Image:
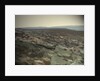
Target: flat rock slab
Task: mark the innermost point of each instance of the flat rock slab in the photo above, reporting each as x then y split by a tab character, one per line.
56	60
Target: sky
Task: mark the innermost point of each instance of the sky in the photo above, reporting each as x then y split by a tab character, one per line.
48	20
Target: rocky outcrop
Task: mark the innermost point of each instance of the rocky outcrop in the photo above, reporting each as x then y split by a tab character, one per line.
49	47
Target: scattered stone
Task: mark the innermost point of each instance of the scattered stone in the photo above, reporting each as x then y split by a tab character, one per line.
49	47
61	37
38	62
46	60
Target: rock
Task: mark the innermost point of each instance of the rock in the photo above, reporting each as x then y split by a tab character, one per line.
29	53
46	60
56	60
64	54
61	37
60	47
77	60
37	40
82	51
38	62
44	47
28	58
59	55
50	55
70	60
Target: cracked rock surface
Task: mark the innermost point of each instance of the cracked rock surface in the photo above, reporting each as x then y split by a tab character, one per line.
49	47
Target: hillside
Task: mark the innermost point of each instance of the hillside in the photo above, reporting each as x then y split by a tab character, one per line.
54	46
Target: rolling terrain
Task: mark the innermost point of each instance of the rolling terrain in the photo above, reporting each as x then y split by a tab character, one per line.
49	46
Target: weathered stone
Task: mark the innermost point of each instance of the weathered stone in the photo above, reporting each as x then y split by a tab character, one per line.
38	62
54	47
46	60
61	37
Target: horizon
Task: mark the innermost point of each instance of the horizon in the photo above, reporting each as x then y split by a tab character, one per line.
77	28
52	26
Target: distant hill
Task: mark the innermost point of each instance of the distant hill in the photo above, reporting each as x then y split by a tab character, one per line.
76	28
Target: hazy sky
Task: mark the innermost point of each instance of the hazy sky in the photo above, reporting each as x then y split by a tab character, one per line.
48	20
